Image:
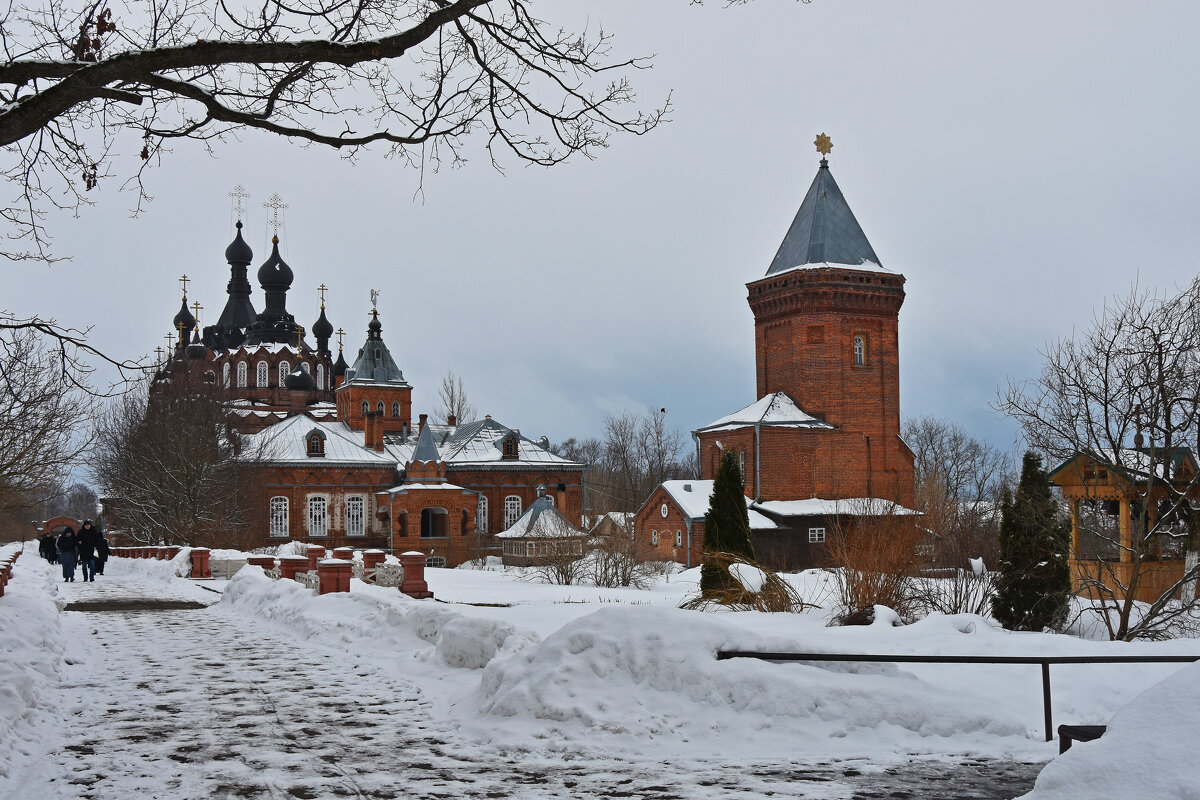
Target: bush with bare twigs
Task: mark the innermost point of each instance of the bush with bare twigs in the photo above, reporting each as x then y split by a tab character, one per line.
755	588
875	561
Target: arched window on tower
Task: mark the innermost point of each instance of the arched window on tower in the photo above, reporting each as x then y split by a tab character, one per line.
241	374
284	369
263	371
379	408
860	351
304	365
366	408
225	374
321	376
395	409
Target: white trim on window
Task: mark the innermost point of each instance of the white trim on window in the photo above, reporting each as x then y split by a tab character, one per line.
356	515
512	510
816	535
262	376
481	516
318	515
279	517
243	370
654	538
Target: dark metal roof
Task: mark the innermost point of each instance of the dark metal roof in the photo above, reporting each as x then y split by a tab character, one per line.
375	363
425	450
824	230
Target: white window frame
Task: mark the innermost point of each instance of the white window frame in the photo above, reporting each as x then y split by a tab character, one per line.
366	407
225	369
278	514
243	373
262	375
860	351
481	516
321	376
318	515
437	562
513	508
396	409
379	408
654	538
284	370
356	519
816	535
679	538
304	365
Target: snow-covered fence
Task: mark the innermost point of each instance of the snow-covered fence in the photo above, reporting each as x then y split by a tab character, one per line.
333	574
6	568
309	580
380	574
160	553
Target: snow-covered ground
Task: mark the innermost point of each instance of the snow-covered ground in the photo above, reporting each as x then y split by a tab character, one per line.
508	688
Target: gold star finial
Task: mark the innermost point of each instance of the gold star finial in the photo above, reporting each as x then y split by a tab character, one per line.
824	144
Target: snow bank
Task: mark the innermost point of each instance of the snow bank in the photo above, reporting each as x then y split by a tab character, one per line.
646	673
32	641
1144	753
381	618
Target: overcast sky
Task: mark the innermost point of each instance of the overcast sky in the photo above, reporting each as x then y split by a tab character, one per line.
1017	162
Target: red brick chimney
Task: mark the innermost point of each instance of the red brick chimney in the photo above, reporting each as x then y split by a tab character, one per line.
451	420
423	417
377	432
369	429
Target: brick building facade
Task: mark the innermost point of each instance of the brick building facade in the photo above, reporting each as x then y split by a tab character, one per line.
826	425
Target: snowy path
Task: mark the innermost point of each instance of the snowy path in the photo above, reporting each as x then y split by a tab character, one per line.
214	703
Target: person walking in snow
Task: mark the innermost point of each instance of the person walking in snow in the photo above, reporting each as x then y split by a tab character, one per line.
102	551
46	547
85	544
67	552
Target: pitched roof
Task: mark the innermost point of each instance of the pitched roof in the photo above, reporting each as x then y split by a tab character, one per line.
773	410
478	444
1137	463
694	497
849	507
824	230
425	450
541	521
286	442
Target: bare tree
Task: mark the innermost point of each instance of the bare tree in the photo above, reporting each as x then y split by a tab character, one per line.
452	395
80	85
619	559
175	470
41	407
1123	395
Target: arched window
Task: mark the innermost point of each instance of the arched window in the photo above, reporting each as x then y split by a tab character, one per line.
481	516
356	515
508	447
395	409
320	376
315	445
261	377
284	369
225	374
305	366
860	351
241	374
654	538
366	407
434	523
379	408
279	516
512	510
318	515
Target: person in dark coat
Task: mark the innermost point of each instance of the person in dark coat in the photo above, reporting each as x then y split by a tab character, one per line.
67	552
85	544
102	551
46	547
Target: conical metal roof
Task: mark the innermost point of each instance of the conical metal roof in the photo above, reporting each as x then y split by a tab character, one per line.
425	450
824	230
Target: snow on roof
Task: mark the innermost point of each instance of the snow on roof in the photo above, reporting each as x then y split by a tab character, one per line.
852	506
1137	462
866	266
478	443
406	487
693	498
286	442
774	410
541	521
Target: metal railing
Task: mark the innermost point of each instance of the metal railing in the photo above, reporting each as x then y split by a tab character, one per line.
1044	661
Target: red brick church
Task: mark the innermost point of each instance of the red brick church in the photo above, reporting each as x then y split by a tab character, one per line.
345	465
822	441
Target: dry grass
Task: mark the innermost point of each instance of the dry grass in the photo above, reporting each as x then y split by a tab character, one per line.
775	595
875	560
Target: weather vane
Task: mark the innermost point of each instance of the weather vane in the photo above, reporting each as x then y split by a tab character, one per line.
239	194
824	144
374	298
276	204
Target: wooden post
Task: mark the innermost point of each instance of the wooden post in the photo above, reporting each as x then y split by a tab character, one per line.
1126	527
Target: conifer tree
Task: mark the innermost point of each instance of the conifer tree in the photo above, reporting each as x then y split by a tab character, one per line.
726	526
1034	586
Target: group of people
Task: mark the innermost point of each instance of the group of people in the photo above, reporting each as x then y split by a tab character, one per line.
88	549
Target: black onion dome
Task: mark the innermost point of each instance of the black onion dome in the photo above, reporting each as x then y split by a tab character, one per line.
322	328
275	273
184	318
340	366
238	251
299	380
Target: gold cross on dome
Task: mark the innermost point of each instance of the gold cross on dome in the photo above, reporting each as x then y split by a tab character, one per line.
340	334
299	338
170	337
184	279
276	204
824	144
239	194
322	290
196	307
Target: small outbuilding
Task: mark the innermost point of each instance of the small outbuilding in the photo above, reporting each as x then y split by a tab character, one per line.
541	535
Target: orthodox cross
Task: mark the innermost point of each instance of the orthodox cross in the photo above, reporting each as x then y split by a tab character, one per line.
340	334
322	291
196	307
276	204
238	194
159	350
299	338
170	337
374	298
824	144
183	279
179	327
